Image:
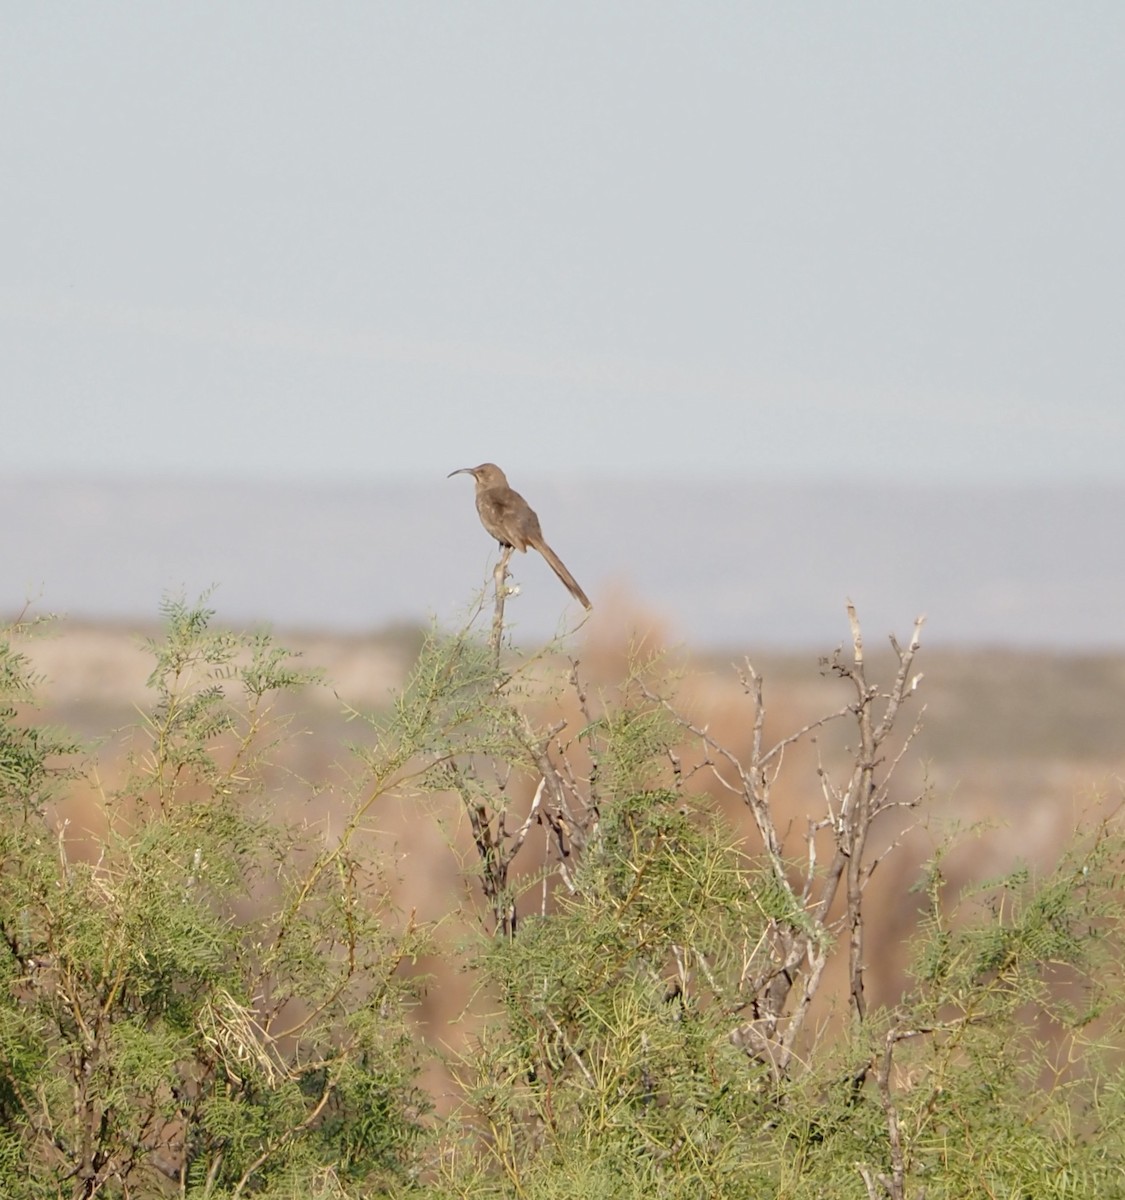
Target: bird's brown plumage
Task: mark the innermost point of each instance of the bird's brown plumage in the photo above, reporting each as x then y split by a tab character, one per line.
512	521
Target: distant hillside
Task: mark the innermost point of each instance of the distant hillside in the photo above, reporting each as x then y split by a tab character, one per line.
723	565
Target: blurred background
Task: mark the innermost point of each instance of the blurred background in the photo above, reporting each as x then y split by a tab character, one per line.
760	306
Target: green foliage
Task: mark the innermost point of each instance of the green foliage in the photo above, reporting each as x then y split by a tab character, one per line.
207	998
625	1055
34	760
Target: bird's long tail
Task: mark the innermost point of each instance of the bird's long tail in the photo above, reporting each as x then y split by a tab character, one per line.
556	565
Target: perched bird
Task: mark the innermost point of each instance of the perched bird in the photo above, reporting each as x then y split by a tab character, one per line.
512	521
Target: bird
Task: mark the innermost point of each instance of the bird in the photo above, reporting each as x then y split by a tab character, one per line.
512	521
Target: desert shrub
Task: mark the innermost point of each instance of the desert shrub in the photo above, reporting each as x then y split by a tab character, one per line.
207	998
652	1029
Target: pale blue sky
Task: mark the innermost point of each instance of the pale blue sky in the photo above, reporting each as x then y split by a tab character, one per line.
365	241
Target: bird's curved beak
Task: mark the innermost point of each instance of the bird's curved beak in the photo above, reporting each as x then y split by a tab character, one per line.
460	471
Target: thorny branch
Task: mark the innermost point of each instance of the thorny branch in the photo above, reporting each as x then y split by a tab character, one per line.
792	960
822	894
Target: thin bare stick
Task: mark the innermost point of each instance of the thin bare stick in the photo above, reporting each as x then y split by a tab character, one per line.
501	577
521	834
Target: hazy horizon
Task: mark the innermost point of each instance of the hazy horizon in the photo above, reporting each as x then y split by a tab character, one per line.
716	564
